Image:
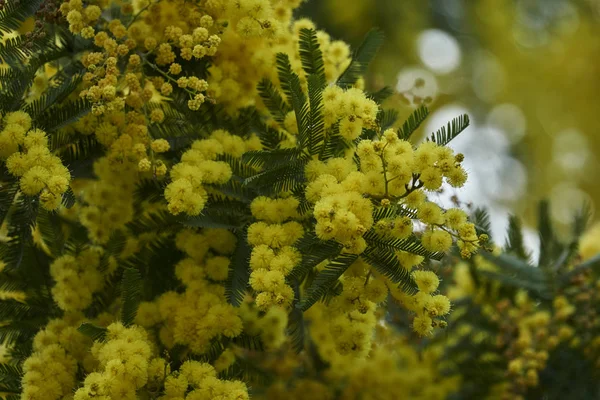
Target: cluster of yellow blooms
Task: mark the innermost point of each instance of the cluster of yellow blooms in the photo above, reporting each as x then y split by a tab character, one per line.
341	211
27	156
270	327
201	313
122	364
107	202
390	169
50	372
77	278
426	306
273	255
351	108
344	328
394	369
198	166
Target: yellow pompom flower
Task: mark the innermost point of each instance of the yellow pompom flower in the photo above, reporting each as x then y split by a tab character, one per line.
427	281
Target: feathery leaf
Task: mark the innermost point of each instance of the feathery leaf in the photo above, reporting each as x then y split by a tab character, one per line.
446	133
131	290
361	58
413	122
272	99
326	279
96	333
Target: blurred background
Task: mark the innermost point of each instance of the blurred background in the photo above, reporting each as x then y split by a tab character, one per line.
527	72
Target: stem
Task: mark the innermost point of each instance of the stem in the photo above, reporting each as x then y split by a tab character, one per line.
163	73
135	17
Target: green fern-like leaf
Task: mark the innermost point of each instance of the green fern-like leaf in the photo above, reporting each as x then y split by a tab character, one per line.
249	342
290	84
50	227
56	118
387	118
13	13
361	58
481	219
392	212
271	158
515	242
446	133
314	251
94	332
152	222
270	137
13	51
314	135
68	198
131	290
386	263
311	55
7	196
239	271
516	273
22	220
272	99
382	94
296	330
61	87
283	178
326	279
413	122
410	245
220	213
10	377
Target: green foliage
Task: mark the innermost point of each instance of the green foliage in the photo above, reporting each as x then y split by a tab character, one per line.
446	133
552	270
312	57
361	58
387	264
13	13
290	84
314	251
272	100
239	270
413	122
410	244
515	242
325	279
131	290
10	378
296	329
92	331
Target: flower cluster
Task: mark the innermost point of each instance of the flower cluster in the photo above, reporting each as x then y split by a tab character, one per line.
341	211
202	379
198	166
27	156
123	364
270	326
427	306
344	329
77	278
273	255
201	313
351	108
50	371
107	202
